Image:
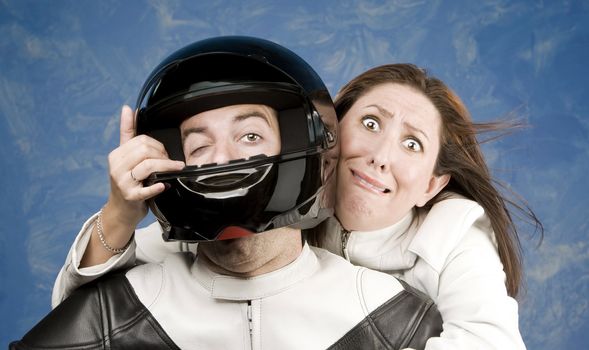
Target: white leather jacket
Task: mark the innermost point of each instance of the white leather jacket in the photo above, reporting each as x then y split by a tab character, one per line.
450	254
318	301
309	304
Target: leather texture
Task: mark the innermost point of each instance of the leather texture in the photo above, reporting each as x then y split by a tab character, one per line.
407	320
104	314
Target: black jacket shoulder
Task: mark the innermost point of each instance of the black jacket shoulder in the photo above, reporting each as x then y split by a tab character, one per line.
104	314
407	320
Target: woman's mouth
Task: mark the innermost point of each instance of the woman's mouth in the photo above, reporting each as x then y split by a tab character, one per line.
370	183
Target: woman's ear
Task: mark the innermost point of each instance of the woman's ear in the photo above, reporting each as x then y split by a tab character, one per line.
436	184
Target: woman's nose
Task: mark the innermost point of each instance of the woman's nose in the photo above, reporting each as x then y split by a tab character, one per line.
382	155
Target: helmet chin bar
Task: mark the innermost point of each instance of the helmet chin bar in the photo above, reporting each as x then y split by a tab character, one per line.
229	184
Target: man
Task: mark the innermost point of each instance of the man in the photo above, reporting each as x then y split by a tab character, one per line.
256	129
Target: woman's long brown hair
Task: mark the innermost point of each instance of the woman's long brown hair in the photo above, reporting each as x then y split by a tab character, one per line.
460	156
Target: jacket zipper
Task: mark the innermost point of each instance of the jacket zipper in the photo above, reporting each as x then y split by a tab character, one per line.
345	236
250	323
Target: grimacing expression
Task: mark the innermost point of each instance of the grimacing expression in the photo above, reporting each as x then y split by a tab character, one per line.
227	133
390	140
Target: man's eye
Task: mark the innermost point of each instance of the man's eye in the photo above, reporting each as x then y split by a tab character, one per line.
412	145
251	137
371	123
196	150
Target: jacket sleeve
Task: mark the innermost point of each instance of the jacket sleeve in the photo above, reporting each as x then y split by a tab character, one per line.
426	322
472	297
104	314
147	246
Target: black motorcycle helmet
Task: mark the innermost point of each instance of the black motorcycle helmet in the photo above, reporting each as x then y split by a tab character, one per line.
244	196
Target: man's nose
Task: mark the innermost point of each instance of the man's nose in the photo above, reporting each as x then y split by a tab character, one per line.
224	152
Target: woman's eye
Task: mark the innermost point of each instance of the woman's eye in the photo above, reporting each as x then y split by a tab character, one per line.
412	145
371	124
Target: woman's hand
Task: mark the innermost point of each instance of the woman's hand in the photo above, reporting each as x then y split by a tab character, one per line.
129	164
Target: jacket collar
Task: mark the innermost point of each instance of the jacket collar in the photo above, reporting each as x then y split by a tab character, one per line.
429	236
443	227
237	288
383	250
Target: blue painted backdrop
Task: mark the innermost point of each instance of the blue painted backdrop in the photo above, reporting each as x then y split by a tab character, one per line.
66	67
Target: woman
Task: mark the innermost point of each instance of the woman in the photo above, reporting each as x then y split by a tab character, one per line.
415	199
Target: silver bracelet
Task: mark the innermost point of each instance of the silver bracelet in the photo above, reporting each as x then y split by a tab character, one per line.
103	241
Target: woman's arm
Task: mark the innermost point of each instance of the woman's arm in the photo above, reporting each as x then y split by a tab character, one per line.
72	275
105	241
472	298
147	246
128	165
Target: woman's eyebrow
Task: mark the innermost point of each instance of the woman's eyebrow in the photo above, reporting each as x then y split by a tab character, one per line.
390	115
416	130
382	111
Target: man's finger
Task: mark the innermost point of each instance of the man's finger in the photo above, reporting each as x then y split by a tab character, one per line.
127	124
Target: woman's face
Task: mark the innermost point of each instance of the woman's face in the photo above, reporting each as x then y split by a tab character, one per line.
390	139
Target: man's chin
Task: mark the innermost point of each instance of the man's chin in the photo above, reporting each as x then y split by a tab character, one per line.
234	249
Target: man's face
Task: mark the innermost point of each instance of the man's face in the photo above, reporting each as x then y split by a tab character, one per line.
238	132
233	132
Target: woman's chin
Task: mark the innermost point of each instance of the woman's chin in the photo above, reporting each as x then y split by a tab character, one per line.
353	214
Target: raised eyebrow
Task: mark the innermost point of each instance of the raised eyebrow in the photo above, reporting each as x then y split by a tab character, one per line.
416	130
382	111
389	115
239	117
252	114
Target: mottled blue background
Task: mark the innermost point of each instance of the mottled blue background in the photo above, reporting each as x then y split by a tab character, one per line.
66	67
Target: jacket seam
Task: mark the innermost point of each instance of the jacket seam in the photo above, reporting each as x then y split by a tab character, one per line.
143	314
103	317
425	306
368	315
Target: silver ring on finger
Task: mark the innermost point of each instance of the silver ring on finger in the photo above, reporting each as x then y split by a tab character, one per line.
133	176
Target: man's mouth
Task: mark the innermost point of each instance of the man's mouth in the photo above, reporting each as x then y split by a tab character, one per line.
370	183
